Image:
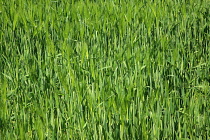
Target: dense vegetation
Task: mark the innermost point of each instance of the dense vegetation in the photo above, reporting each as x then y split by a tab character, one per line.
132	69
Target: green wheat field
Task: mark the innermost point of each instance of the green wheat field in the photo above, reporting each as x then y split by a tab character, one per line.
105	69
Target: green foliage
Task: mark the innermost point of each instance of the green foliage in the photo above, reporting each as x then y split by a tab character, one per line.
104	69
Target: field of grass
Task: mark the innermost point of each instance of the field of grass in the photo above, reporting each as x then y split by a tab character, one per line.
114	69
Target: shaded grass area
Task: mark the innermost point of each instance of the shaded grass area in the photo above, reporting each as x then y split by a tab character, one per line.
104	70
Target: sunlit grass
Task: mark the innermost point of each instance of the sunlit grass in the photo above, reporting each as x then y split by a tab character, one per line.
104	70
